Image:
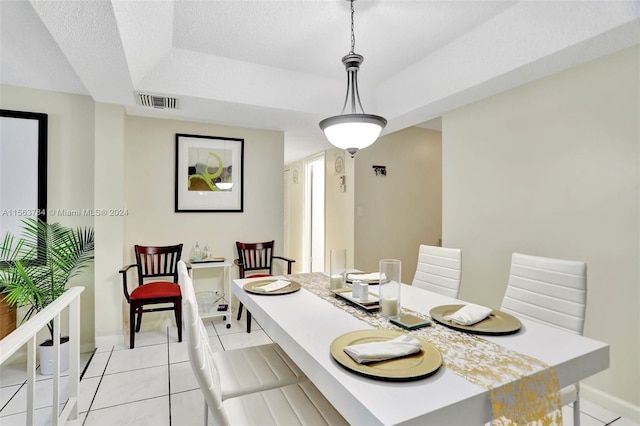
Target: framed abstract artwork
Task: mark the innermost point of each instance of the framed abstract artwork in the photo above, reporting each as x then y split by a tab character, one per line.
209	174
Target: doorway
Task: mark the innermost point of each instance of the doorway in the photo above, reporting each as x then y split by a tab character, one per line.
313	237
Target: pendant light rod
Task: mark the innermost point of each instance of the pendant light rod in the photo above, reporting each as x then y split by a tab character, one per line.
353	33
352	63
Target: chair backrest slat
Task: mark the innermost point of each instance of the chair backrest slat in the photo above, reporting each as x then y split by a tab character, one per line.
439	270
157	261
256	256
550	291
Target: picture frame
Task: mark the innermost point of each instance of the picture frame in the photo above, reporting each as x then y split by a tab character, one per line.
209	175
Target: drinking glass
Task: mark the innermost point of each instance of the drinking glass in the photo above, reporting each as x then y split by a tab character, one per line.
389	288
338	268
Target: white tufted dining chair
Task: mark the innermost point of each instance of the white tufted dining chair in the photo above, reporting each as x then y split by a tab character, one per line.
439	270
249	401
553	292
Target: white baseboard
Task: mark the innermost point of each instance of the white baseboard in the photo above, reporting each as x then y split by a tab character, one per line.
612	403
87	347
105	341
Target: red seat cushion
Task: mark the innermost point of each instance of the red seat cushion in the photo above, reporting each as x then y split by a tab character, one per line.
156	290
258	275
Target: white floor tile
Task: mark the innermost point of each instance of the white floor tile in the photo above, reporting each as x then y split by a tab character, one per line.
6	393
134	359
178	352
242	340
236	326
84	359
97	365
137	385
77	422
149	412
211	330
146	338
44	396
624	422
88	388
13	374
589	408
585	420
173	334
182	378
215	343
43	417
187	408
108	348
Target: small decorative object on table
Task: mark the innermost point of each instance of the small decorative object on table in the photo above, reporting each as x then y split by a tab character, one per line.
389	291
338	268
196	253
355	289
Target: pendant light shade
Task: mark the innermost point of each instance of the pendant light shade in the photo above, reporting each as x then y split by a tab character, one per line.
352	132
356	130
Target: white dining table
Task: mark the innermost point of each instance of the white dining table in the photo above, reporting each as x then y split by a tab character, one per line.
305	325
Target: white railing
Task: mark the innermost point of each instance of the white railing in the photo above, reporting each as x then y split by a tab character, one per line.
27	332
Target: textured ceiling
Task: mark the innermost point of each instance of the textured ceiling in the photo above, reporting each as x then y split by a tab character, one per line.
276	64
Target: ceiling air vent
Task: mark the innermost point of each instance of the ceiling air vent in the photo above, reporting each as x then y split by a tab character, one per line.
156	101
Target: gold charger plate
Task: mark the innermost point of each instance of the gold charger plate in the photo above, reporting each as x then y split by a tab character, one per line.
496	323
372	304
411	367
254	288
373	282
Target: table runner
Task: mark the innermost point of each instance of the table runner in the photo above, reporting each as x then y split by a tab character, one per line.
523	389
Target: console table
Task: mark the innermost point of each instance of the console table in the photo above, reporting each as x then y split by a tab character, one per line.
213	311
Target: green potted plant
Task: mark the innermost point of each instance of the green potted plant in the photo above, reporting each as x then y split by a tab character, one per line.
36	267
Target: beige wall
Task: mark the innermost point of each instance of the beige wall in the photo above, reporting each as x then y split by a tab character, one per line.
70	177
109	194
339	217
100	158
552	169
149	194
396	213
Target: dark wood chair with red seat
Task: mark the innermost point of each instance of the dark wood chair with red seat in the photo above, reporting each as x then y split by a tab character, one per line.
256	257
153	263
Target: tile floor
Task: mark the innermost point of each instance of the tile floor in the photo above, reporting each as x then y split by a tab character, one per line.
153	384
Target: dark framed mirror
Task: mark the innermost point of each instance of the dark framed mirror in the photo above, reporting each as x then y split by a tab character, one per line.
23	168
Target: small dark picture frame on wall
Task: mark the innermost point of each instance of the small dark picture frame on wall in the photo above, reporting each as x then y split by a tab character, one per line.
209	174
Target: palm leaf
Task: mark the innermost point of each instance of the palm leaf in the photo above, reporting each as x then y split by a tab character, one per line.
35	268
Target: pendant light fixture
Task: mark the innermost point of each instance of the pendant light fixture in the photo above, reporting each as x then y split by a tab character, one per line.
356	130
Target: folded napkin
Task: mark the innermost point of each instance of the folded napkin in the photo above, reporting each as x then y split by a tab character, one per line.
374	276
469	314
380	351
276	285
